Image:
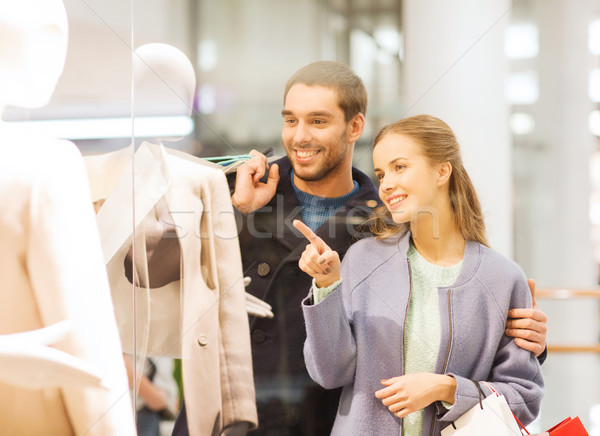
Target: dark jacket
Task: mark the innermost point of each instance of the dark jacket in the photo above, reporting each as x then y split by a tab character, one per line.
271	248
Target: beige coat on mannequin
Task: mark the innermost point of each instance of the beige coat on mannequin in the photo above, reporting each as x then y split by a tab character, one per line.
202	317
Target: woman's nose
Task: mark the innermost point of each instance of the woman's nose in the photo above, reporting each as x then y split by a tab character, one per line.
385	184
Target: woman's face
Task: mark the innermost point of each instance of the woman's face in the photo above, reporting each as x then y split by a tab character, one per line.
408	183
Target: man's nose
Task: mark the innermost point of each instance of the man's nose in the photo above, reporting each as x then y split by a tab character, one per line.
302	134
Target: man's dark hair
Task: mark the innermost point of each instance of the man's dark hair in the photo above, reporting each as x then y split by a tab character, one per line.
349	88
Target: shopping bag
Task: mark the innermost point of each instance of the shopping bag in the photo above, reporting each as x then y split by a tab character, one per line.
491	417
569	427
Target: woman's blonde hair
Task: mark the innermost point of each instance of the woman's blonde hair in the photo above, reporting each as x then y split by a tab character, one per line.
438	144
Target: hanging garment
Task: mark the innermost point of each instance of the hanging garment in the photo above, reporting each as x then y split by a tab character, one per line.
198	311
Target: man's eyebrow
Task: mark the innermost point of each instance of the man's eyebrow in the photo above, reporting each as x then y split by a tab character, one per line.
320	114
326	114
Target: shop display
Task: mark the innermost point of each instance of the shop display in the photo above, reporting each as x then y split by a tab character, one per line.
52	269
180	270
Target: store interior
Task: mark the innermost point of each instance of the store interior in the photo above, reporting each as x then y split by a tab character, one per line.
518	81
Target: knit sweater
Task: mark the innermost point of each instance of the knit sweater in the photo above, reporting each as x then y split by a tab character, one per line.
422	336
316	210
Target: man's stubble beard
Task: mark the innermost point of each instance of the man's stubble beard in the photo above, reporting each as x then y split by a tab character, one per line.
328	166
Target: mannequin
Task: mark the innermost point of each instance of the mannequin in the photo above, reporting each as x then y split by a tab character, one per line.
51	267
188	278
28	360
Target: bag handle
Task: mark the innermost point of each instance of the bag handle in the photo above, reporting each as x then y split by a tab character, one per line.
481	393
481	398
494	391
491	388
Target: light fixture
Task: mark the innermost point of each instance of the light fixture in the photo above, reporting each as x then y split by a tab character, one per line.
521	41
104	128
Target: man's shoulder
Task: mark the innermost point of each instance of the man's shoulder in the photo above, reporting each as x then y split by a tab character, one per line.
285	166
367	191
284	186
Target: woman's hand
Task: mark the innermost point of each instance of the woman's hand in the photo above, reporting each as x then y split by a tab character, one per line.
318	260
412	392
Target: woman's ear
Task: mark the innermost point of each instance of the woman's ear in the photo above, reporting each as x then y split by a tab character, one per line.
444	172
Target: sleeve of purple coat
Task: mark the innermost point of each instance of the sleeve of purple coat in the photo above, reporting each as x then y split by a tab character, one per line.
330	347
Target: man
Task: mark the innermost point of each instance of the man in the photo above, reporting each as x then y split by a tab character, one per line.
325	104
324	115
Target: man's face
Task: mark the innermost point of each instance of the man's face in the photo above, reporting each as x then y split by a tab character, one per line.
315	133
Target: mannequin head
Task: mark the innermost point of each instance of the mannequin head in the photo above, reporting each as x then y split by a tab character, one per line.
33	47
164	81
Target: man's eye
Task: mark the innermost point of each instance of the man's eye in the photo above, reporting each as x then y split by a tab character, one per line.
379	177
318	122
290	121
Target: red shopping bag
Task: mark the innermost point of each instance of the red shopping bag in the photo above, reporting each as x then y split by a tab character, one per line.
569	427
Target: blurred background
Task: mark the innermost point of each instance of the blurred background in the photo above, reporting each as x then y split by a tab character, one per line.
518	81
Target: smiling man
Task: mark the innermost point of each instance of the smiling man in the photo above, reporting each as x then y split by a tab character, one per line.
323	116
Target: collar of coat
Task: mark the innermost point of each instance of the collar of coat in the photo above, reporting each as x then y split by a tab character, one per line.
399	245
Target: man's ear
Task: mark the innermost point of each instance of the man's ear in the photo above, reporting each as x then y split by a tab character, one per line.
356	126
444	172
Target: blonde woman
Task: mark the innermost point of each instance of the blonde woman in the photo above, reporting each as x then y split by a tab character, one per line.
415	313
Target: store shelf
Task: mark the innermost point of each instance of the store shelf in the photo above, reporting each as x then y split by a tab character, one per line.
556	348
567	293
570	294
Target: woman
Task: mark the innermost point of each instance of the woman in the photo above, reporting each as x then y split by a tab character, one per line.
422	306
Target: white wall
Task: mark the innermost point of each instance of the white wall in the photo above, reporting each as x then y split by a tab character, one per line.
454	68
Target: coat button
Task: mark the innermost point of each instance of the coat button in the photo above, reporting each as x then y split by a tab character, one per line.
202	340
263	269
372	204
259	336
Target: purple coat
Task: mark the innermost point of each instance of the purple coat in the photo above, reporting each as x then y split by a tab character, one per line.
355	336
